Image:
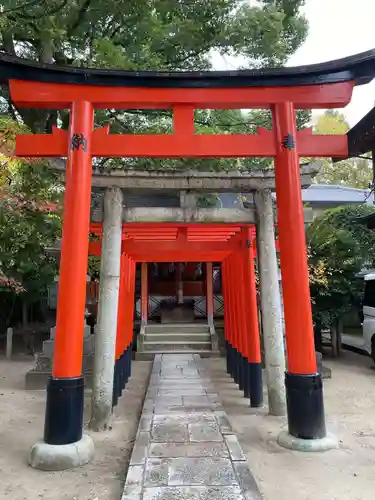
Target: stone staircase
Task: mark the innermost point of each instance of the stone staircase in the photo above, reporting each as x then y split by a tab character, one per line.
176	338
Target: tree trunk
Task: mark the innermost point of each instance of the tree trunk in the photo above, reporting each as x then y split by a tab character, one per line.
336	330
25	313
318	338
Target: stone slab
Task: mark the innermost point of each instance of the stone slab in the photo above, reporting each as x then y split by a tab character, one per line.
185	447
200	432
190	450
193	493
201	471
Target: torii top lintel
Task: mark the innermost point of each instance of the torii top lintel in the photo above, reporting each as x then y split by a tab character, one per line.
302	85
326	85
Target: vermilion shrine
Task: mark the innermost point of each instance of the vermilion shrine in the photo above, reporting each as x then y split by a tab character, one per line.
190	238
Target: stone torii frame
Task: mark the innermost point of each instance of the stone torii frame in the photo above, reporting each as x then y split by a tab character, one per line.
327	85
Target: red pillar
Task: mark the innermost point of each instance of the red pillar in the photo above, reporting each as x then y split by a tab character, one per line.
144	292
209	293
118	382
129	317
253	354
303	385
120	339
238	286
229	345
234	314
64	412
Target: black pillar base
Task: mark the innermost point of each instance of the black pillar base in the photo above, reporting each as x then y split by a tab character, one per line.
126	366
64	410
129	362
241	372
115	385
305	406
246	377
231	359
227	348
121	374
236	356
256	385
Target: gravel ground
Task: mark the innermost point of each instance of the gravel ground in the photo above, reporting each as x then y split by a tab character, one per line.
344	474
21	425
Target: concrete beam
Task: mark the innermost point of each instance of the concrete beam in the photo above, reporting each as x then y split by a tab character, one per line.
193	180
190	215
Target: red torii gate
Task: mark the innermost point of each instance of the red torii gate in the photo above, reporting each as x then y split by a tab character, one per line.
283	91
196	243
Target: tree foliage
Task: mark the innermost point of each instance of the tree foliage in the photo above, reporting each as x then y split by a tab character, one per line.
28	194
354	172
151	35
339	248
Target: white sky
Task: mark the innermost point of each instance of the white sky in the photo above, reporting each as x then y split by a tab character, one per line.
338	28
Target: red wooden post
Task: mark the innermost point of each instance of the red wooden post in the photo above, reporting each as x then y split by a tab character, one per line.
130	316
252	324
242	332
227	315
118	382
144	292
233	282
209	293
64	410
303	383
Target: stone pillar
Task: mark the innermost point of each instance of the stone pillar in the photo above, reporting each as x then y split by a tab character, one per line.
105	342
270	303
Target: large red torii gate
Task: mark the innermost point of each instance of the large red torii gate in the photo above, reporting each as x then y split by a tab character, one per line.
327	85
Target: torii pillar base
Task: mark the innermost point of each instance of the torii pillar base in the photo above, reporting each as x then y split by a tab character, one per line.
53	457
286	440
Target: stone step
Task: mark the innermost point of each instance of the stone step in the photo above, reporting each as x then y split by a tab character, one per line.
176	328
173	346
149	355
176	336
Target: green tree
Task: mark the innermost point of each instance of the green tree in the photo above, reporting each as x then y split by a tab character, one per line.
340	247
149	34
29	224
354	172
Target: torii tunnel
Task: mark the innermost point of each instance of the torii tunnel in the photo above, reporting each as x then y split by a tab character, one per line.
283	91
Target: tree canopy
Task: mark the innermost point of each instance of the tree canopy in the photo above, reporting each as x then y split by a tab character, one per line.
29	195
354	172
339	248
150	34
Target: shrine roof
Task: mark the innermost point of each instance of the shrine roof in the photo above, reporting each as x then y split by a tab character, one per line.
361	137
359	68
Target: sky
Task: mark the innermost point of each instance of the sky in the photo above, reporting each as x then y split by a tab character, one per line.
337	28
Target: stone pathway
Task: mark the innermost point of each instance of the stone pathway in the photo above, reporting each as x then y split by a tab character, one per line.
185	447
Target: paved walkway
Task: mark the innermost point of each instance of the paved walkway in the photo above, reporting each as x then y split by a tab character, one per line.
185	448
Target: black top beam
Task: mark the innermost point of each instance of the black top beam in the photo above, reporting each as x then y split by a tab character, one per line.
359	68
361	137
367	220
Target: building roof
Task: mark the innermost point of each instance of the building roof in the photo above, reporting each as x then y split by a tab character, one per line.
326	194
361	137
316	194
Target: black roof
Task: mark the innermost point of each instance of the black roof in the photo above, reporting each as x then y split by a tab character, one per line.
359	68
361	137
367	220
